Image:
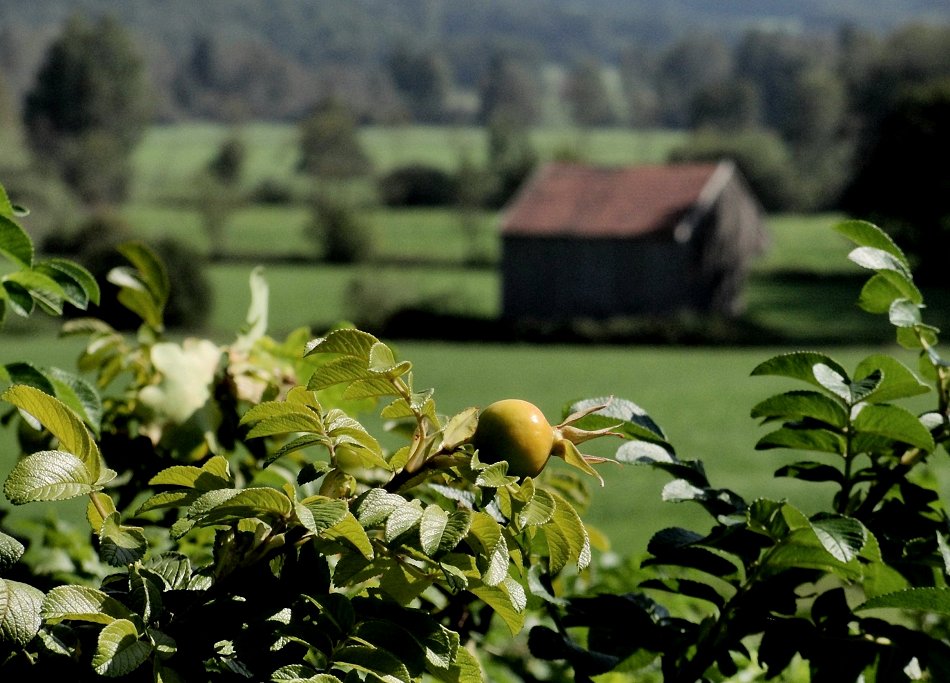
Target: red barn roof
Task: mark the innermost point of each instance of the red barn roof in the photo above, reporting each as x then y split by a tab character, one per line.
578	200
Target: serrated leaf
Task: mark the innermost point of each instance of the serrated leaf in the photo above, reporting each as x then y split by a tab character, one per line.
11	550
145	591
81	603
624	416
933	600
885	287
904	313
538	510
301	673
867	234
571	540
820	440
402	519
350	530
17	298
799	365
895	423
20	606
46	476
376	505
120	545
346	342
796	405
15	244
897	380
318	513
214	474
369	388
62	423
337	371
382	361
843	537
173	568
119	649
222	506
494	549
44	289
431	527
876	259
381	664
150	268
459	429
500	600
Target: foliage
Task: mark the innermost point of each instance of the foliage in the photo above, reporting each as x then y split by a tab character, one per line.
418	185
341	233
88	109
910	137
329	146
243	523
845	589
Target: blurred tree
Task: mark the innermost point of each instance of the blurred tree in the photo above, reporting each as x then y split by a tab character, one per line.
511	157
329	145
509	92
227	164
88	108
338	230
423	79
763	158
690	65
730	106
903	182
587	96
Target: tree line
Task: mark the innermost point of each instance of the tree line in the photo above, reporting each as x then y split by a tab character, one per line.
809	117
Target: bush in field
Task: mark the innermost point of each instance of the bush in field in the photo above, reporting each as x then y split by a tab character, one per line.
337	229
244	524
418	185
88	109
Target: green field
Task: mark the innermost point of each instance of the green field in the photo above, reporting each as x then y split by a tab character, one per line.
701	398
803	287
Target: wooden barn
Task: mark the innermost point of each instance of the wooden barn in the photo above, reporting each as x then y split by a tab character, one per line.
581	241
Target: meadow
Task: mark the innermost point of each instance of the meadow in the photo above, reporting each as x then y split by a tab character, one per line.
803	287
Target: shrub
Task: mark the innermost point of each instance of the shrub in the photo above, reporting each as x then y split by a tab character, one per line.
418	185
244	524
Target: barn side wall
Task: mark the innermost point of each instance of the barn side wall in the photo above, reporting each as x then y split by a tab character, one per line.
563	278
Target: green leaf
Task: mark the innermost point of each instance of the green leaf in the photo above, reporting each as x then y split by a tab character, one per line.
626	417
431	527
897	380
878	260
820	440
62	422
379	663
81	603
346	342
349	529
843	537
121	545
382	361
145	591
214	474
78	285
150	269
301	673
904	313
797	405
222	506
318	513
119	650
465	669
884	288
42	288
46	476
567	537
801	365
11	550
895	423
933	600
78	394
15	244
459	429
539	509
376	505
402	519
511	610
867	234
19	612
486	532
337	371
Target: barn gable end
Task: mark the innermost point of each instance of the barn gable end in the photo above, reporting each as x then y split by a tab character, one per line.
598	242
